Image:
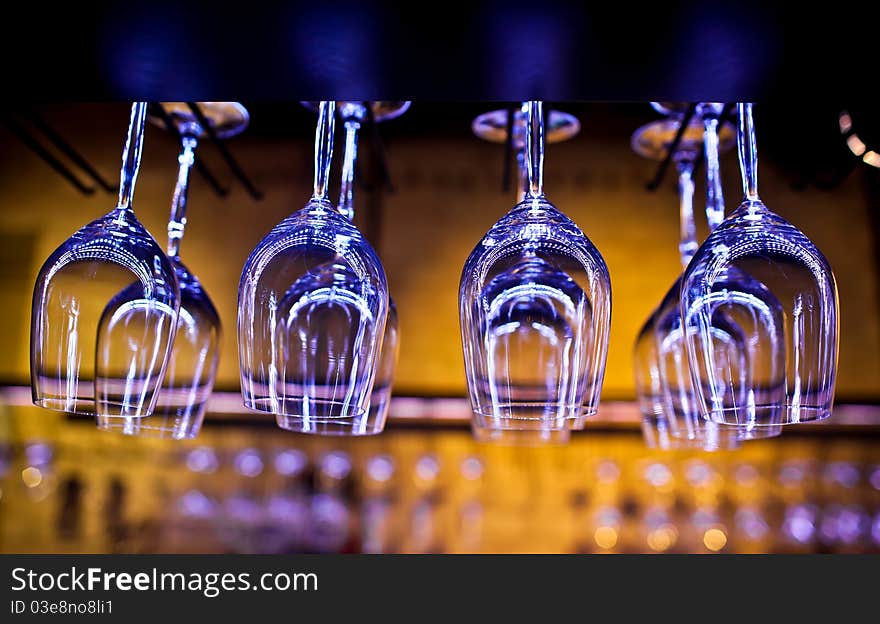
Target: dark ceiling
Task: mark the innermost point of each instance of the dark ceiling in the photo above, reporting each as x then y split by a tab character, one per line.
440	51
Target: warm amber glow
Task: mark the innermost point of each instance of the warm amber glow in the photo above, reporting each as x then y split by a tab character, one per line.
32	477
606	537
872	158
184	488
856	145
714	539
663	538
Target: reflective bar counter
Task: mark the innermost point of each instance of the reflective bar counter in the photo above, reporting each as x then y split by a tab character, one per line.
427	486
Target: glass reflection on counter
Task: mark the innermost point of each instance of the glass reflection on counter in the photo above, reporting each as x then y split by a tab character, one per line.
67	488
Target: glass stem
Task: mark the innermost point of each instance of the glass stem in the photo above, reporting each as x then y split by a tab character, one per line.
177	222
687	245
346	185
748	152
714	192
131	156
535	148
324	148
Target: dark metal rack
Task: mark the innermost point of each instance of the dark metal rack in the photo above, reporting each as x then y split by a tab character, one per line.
236	169
33	143
654	183
657	180
68	150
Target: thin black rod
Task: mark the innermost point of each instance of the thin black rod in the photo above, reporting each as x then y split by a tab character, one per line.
654	184
68	150
378	149
214	183
34	145
723	118
508	148
237	171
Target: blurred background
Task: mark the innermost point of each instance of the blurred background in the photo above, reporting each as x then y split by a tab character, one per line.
425	485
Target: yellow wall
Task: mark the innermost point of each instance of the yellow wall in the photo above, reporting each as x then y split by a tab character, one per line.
447	197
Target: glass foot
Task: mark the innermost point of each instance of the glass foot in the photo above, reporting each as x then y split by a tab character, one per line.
653	140
226	118
492	126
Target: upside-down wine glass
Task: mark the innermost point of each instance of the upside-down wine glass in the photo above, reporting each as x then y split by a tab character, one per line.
313	303
372	422
654	141
535	306
192	368
785	383
733	339
493	126
117	371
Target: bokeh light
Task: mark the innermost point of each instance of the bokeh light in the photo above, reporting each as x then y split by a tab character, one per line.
715	539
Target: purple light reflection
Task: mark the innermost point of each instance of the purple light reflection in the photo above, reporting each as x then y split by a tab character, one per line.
38	454
380	468
607	471
843	524
202	460
196	504
287	510
792	474
428	468
290	462
800	523
844	474
699	474
472	468
746	475
248	463
751	523
329	523
243	508
336	465
874	479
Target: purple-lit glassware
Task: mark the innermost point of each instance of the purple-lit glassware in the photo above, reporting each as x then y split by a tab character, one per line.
192	367
653	141
494	126
353	115
785	383
313	303
735	338
535	308
114	368
663	383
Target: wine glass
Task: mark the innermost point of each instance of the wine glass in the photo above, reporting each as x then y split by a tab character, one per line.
734	341
535	307
313	303
654	353
792	367
94	352
373	420
493	126
189	378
